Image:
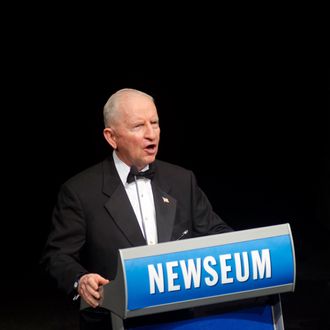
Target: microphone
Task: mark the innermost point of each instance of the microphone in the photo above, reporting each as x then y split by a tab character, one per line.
183	234
134	171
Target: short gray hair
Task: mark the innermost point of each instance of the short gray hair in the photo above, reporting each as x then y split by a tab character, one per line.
110	110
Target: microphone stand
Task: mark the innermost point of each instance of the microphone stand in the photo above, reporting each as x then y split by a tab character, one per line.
140	207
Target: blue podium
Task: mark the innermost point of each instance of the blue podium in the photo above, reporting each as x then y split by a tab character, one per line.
231	281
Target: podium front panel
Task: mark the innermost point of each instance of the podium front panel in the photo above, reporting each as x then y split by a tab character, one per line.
266	316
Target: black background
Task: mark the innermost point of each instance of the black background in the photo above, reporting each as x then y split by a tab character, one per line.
245	106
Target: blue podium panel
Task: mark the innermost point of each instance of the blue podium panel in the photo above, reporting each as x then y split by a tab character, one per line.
262	313
208	272
254	318
205	270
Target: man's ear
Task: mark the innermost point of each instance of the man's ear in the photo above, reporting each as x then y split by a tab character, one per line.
110	136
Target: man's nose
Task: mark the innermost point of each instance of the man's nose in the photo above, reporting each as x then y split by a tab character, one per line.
150	131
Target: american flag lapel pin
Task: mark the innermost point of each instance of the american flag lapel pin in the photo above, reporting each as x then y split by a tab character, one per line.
165	200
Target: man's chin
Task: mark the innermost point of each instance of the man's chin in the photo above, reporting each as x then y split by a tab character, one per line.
150	159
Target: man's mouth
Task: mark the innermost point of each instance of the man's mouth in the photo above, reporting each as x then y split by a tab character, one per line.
151	147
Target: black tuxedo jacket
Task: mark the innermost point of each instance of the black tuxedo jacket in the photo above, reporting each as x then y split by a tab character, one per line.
93	218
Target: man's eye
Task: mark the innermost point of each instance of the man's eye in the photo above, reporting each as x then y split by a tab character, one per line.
137	126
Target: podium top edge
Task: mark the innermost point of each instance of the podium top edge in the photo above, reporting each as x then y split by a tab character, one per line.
206	241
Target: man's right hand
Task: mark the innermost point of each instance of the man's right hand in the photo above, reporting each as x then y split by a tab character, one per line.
90	288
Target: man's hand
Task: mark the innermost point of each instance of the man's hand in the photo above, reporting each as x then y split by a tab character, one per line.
91	288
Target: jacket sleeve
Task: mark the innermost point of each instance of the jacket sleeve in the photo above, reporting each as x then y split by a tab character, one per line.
62	252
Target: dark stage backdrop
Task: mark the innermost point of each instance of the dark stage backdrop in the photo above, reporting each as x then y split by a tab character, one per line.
253	128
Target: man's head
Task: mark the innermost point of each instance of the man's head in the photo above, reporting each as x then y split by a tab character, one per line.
132	126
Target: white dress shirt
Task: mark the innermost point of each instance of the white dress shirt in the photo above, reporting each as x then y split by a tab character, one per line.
141	197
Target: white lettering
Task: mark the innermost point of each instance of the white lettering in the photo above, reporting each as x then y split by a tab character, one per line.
171	276
213	280
238	263
156	277
262	265
225	269
193	271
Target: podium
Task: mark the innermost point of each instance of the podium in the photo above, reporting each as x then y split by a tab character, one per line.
239	276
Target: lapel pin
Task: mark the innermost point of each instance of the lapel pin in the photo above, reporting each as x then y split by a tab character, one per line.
165	200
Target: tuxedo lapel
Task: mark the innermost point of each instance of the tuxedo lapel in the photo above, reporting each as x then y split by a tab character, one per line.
165	206
119	206
120	209
123	214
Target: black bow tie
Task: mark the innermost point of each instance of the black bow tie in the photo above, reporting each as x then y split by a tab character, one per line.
134	173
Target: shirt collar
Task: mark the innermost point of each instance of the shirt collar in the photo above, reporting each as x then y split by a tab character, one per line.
122	168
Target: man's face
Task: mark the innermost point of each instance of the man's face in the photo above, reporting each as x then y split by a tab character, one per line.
137	131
